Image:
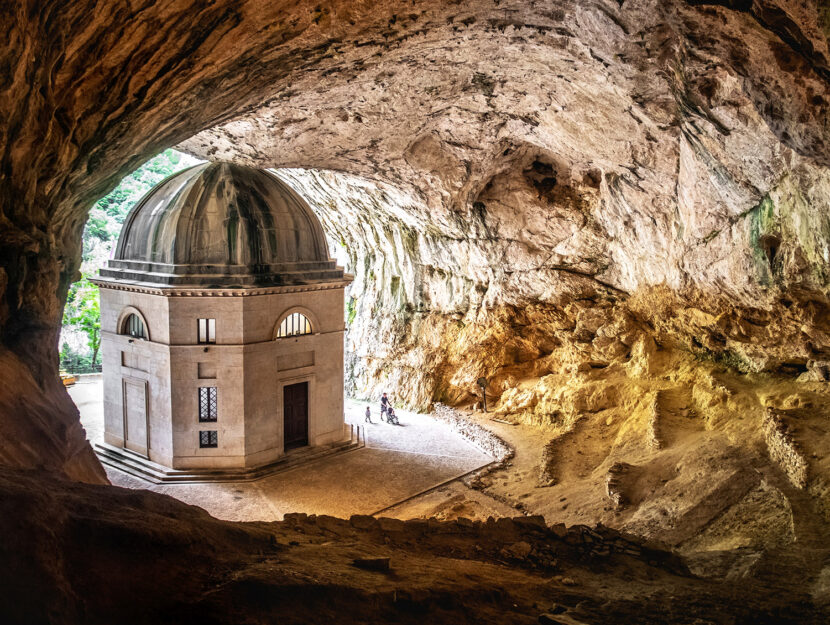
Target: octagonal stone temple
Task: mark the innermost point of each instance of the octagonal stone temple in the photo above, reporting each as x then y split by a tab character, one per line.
222	329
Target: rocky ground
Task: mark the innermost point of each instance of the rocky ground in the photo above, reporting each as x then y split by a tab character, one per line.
729	470
98	554
726	469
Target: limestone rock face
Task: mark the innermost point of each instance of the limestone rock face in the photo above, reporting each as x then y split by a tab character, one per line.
535	167
521	156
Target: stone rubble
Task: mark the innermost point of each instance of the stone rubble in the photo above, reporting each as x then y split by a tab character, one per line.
525	540
782	447
481	437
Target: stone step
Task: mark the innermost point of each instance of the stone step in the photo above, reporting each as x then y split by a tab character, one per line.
138	466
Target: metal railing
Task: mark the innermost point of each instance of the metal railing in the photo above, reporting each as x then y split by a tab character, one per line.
75	367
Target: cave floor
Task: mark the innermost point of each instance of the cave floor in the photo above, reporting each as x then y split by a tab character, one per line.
398	462
509	486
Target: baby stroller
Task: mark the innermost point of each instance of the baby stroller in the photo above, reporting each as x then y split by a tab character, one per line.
391	417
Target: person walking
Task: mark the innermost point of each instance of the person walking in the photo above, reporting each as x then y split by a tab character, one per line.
368	418
384	406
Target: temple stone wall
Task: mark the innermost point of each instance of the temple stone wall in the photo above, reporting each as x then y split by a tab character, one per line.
137	361
271	364
247	366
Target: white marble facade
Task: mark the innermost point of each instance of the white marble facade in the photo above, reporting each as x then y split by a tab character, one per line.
238	395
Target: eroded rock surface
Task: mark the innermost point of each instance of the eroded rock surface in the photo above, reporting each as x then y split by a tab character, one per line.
528	157
613	212
97	554
551	152
616	211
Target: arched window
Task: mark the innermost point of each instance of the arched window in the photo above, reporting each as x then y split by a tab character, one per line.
295	324
133	326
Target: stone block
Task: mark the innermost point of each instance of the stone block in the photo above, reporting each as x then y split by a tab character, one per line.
391	525
372	564
559	530
332	524
363	521
415	526
519	550
535	521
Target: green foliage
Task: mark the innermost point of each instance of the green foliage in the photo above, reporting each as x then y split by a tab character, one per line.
351	310
96	227
74	361
82	316
119	202
83	312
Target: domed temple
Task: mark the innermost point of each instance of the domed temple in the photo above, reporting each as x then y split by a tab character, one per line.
222	327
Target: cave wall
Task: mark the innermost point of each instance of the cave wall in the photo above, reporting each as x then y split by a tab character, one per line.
428	314
544	154
671	157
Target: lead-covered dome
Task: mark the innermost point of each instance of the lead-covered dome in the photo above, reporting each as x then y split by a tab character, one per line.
222	225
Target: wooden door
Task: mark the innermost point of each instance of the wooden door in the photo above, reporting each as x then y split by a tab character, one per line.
136	430
295	415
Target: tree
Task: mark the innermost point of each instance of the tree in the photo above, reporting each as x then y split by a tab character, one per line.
84	313
118	203
81	317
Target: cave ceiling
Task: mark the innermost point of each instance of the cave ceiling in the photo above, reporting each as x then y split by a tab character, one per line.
523	154
629	142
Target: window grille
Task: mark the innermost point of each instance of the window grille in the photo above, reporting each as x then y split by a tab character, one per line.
207	403
295	324
208	438
207	330
134	327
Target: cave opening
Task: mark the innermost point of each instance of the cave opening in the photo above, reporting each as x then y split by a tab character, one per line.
130	430
583	206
